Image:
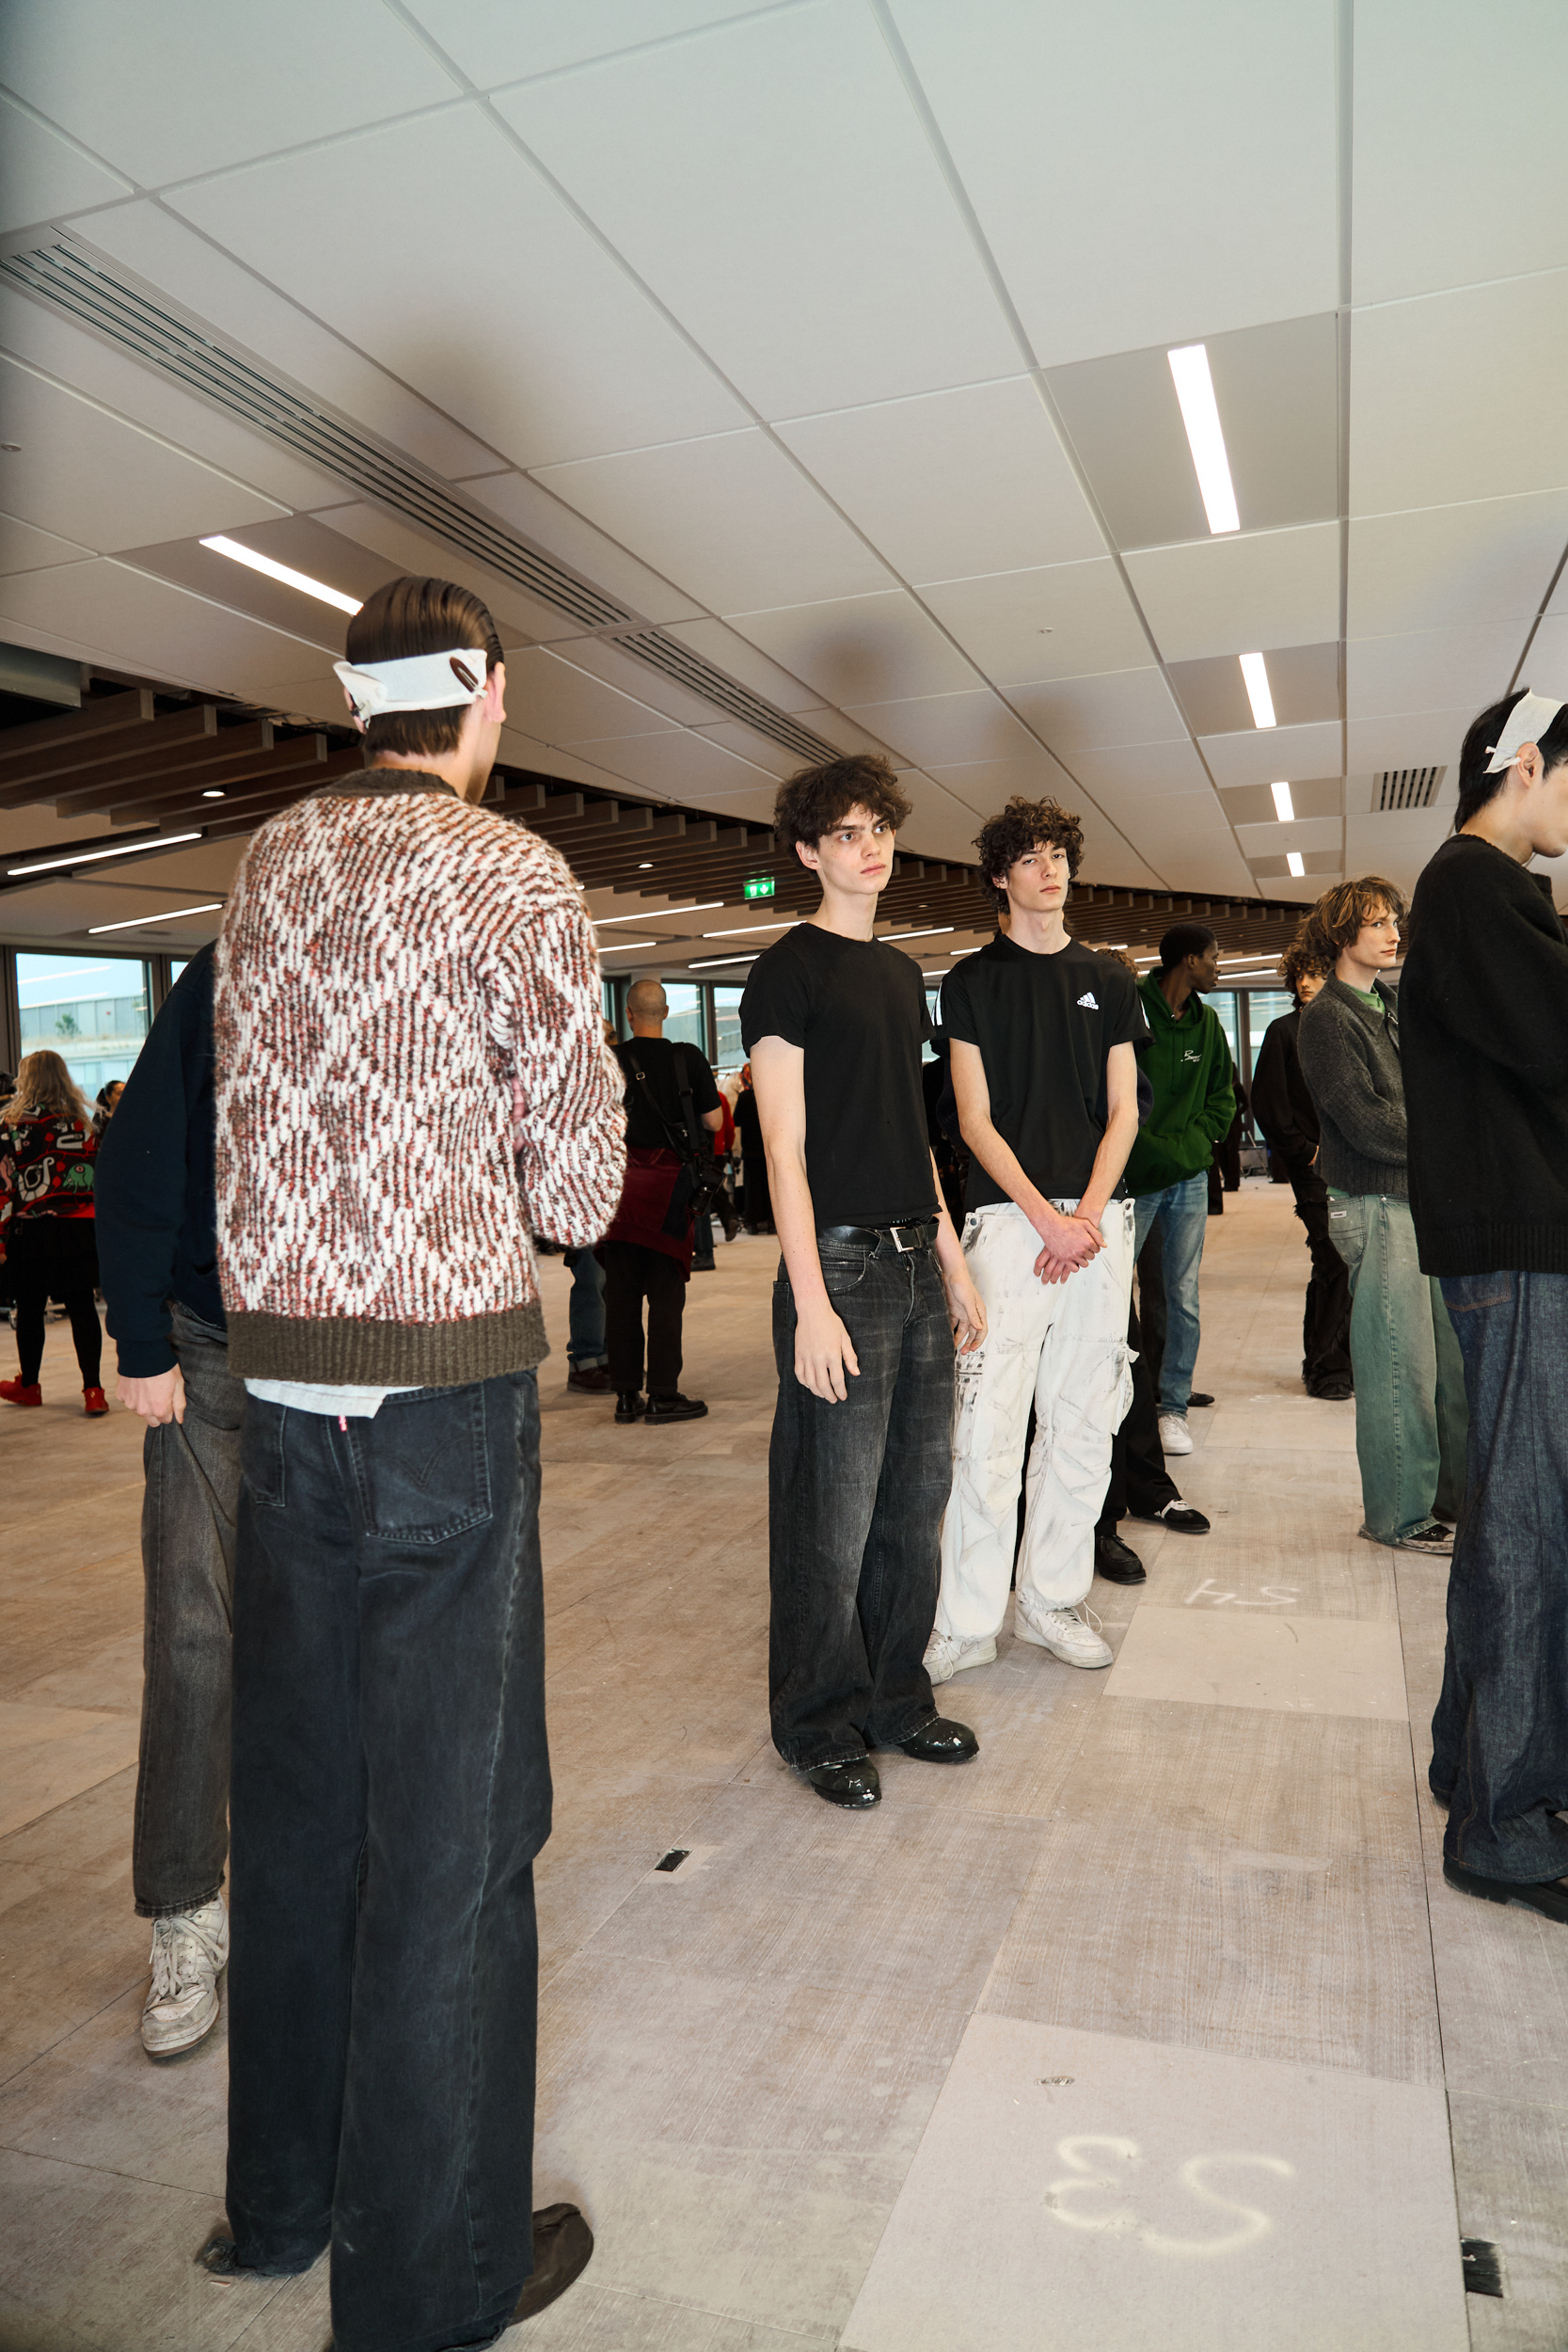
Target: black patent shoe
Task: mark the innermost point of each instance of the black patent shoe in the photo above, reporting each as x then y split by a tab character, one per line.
853	1783
676	1407
1117	1562
1549	1897
628	1405
940	1741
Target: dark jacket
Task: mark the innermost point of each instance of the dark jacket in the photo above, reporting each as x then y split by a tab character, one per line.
1282	1104
1485	1004
1189	1065
1350	1056
156	1191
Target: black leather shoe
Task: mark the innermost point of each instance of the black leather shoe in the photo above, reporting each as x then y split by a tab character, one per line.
628	1405
676	1407
592	1380
219	2257
1332	1391
853	1783
1117	1562
1549	1897
1184	1520
1198	1397
563	2243
940	1741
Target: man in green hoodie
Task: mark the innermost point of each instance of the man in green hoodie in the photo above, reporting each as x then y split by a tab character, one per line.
1188	1064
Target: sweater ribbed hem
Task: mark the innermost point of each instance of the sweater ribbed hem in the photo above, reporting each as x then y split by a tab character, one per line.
350	1352
1494	1247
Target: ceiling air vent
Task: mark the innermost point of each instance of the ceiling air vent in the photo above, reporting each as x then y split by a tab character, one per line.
1408	788
677	661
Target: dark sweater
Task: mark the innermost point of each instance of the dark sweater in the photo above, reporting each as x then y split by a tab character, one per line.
157	1213
1282	1103
1485	1000
1350	1057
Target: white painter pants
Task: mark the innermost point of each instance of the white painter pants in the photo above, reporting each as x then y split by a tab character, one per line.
1062	1347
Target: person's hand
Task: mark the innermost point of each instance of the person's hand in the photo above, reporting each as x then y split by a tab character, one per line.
1069	1241
158	1401
824	1352
966	1310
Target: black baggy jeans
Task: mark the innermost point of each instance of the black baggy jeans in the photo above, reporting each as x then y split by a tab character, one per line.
855	1497
391	1788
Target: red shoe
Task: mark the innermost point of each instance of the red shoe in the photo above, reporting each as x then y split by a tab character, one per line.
16	1392
94	1402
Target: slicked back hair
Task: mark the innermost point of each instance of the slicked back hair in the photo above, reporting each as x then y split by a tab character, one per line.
1183	940
409	616
1021	826
1337	919
1476	788
812	800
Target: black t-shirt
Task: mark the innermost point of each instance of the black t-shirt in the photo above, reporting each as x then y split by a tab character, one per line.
656	1057
1044	1026
857	1008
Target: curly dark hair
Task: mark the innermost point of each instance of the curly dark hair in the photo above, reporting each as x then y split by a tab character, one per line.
1023	826
1335	921
815	800
1300	961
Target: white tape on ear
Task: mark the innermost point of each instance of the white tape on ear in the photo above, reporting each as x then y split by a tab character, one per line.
421	681
1528	721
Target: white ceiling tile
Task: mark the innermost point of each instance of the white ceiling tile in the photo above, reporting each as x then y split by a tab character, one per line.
1430	668
812	284
1274	755
1439	414
948	728
1497	206
494	42
748	744
983	785
23	548
953	483
146	239
518	749
1275	840
1064	620
1237	594
561	533
680	765
141	624
1547	663
1220	209
1159	816
517	612
841	733
738	658
1448	566
602	658
528	334
552	699
1416	739
1394	842
1118	707
939	827
205	86
1199	867
43	176
92	478
729	518
856	649
1142	769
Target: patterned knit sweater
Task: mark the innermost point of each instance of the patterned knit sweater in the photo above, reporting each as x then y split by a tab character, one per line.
407	994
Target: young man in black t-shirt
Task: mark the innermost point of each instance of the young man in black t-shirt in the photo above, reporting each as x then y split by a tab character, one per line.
1042	1036
871	1296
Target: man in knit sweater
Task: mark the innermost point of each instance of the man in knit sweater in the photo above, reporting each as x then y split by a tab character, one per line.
407	997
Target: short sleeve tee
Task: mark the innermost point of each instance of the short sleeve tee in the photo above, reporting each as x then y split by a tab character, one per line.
656	1057
1043	1025
857	1008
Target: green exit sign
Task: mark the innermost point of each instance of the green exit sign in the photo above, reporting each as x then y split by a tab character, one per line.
760	886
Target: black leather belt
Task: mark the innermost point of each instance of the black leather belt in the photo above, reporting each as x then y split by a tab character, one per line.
904	1238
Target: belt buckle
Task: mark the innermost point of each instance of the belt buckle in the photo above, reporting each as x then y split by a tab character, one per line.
900	1247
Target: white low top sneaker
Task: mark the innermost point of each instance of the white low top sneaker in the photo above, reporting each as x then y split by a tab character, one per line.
190	1951
1175	1436
948	1654
1063	1632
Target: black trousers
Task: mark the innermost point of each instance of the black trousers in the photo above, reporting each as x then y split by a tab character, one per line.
632	1274
1325	1326
55	1257
1139	1480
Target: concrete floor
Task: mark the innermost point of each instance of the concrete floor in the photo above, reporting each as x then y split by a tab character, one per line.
1155	2026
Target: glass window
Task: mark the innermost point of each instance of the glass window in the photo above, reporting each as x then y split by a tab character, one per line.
1225	1007
174	971
687	1022
1263	1006
933	1005
726	1015
92	1013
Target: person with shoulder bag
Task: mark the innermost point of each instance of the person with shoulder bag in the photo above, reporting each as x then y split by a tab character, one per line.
48	1145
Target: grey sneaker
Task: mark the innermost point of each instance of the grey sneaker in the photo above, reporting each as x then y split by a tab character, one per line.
190	1951
1433	1537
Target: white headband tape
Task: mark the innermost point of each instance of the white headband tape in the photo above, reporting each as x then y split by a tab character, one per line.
1527	723
422	681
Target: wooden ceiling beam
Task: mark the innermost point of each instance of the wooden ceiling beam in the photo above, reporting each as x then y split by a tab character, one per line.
106	715
22	773
126	783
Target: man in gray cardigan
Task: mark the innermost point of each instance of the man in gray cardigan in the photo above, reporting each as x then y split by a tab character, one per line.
1410	1417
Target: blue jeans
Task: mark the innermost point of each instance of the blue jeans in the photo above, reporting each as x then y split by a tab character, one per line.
1410	1412
855	1497
389	1791
1499	1737
585	1339
1182	1212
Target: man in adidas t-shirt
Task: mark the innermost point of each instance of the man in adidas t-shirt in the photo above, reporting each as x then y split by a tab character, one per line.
1042	1035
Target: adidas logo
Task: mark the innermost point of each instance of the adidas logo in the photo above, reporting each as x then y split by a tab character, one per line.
1088	998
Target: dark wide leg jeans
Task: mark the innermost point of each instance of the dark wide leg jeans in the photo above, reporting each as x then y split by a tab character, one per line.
1500	1733
856	1492
390	1790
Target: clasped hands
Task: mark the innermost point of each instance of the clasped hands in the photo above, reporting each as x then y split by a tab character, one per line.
1069	1241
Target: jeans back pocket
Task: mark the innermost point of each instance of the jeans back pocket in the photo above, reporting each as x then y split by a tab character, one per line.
420	1467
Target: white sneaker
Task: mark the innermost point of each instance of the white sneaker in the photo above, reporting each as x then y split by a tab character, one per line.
1175	1437
948	1654
1062	1631
190	1951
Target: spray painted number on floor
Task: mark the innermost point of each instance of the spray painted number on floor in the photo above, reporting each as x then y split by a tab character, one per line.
1100	2166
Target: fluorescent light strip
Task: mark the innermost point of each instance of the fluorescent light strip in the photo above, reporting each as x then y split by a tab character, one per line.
625	947
140	922
1195	390
745	930
713	963
657	914
91	857
1284	807
1255	676
284	572
1295	865
933	932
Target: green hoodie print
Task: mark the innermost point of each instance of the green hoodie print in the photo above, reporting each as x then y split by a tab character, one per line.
1188	1064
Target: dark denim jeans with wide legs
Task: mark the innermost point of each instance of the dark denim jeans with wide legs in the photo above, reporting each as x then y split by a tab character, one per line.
855	1494
390	1791
181	1838
1499	1737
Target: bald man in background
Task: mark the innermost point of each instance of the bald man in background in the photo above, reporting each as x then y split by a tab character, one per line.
672	1108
